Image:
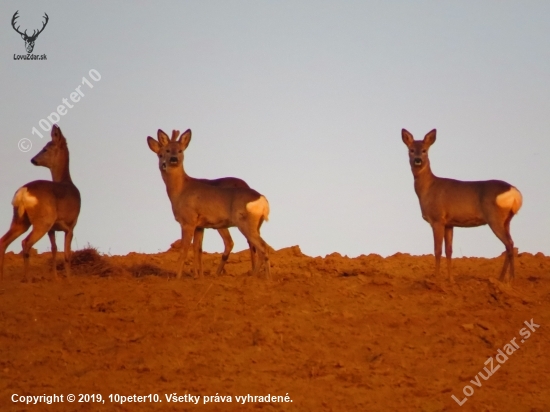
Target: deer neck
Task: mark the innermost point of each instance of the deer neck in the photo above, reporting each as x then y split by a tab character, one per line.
60	170
175	181
423	180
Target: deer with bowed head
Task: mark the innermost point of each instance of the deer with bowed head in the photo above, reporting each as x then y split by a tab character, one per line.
218	204
47	206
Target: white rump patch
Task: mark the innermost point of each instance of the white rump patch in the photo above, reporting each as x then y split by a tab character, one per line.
511	200
259	207
23	200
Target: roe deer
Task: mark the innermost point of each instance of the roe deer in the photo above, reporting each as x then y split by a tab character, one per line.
446	203
48	206
198	204
230	182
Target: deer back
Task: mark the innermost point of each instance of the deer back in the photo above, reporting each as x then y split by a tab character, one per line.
212	206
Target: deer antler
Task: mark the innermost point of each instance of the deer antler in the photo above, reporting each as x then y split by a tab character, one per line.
175	135
15	16
34	35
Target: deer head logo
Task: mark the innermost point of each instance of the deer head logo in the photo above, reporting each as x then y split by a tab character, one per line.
29	40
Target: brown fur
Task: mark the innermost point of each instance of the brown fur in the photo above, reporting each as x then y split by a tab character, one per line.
47	206
446	203
229	182
198	203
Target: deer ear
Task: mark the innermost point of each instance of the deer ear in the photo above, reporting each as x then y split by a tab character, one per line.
184	139
408	138
163	138
56	134
153	144
429	139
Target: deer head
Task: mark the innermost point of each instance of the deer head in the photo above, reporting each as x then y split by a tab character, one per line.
54	152
418	150
170	151
29	40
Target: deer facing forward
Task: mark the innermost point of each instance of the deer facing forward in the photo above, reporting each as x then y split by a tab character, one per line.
446	203
229	182
198	204
48	206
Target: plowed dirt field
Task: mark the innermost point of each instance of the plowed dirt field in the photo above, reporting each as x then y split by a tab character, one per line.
332	333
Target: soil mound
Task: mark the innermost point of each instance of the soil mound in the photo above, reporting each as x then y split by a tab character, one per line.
334	333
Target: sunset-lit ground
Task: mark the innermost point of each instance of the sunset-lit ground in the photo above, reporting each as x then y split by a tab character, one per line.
335	334
306	102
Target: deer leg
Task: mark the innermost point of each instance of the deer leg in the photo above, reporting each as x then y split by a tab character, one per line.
511	249
228	247
37	232
261	249
17	228
265	257
253	251
439	231
197	252
51	235
67	251
260	260
186	237
449	250
502	231
505	267
252	256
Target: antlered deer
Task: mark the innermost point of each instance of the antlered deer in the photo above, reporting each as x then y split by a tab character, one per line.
198	204
230	182
29	40
446	203
48	206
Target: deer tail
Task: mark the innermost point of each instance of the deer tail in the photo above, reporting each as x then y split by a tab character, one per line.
511	200
259	207
22	200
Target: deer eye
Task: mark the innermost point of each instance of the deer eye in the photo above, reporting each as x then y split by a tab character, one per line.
412	150
424	151
181	151
160	156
